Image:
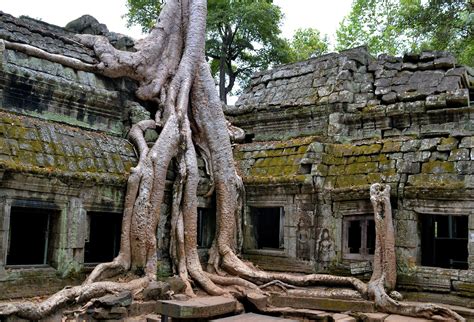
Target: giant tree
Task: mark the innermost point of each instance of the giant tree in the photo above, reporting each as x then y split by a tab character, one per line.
242	36
170	68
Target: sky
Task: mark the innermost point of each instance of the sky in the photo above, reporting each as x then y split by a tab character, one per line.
323	15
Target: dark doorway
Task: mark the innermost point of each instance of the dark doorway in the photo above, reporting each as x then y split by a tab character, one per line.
206	226
268	225
444	241
32	233
103	242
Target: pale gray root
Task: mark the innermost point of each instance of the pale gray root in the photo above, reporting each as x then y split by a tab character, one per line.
385	262
170	80
262	304
236	134
122	262
385	303
332	293
55	58
211	123
284	286
68	296
384	276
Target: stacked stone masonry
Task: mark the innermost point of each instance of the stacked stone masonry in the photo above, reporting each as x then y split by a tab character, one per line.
318	133
321	131
64	162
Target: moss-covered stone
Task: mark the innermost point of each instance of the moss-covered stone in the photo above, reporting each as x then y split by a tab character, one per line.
47	148
351	181
368	149
437	167
359	159
366	167
447	144
332	160
441	181
336	170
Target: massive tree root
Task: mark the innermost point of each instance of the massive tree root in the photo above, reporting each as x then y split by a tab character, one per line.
171	70
384	276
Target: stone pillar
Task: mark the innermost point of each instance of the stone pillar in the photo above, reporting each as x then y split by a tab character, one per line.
2	52
5	206
73	233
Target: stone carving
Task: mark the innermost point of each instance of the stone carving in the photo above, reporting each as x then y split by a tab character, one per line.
325	250
303	235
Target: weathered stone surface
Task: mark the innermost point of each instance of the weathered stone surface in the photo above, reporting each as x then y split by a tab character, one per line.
253	317
204	307
38	34
373	317
325	304
115	300
343	318
157	291
401	318
53	149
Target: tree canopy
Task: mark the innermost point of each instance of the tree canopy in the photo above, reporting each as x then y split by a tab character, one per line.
242	36
396	26
307	43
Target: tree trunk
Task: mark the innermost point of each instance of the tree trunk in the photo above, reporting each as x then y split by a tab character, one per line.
222	69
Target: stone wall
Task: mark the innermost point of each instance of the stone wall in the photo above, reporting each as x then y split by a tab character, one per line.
48	90
323	130
61	150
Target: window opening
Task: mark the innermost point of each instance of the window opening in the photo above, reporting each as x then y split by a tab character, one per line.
354	240
103	240
206	227
358	236
32	236
444	241
268	227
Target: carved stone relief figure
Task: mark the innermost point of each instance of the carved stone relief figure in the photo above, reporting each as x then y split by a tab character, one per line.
325	250
303	235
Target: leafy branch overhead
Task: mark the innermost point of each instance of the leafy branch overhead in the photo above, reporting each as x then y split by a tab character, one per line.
397	26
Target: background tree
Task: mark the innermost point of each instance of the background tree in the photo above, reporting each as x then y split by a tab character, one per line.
242	36
397	26
307	43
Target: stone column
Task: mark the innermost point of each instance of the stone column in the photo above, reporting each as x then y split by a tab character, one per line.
73	232
5	206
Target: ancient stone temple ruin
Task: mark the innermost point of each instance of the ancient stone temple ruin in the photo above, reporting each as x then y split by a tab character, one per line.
321	131
318	133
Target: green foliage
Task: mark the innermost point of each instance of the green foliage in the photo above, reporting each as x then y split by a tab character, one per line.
397	26
143	13
307	43
242	36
